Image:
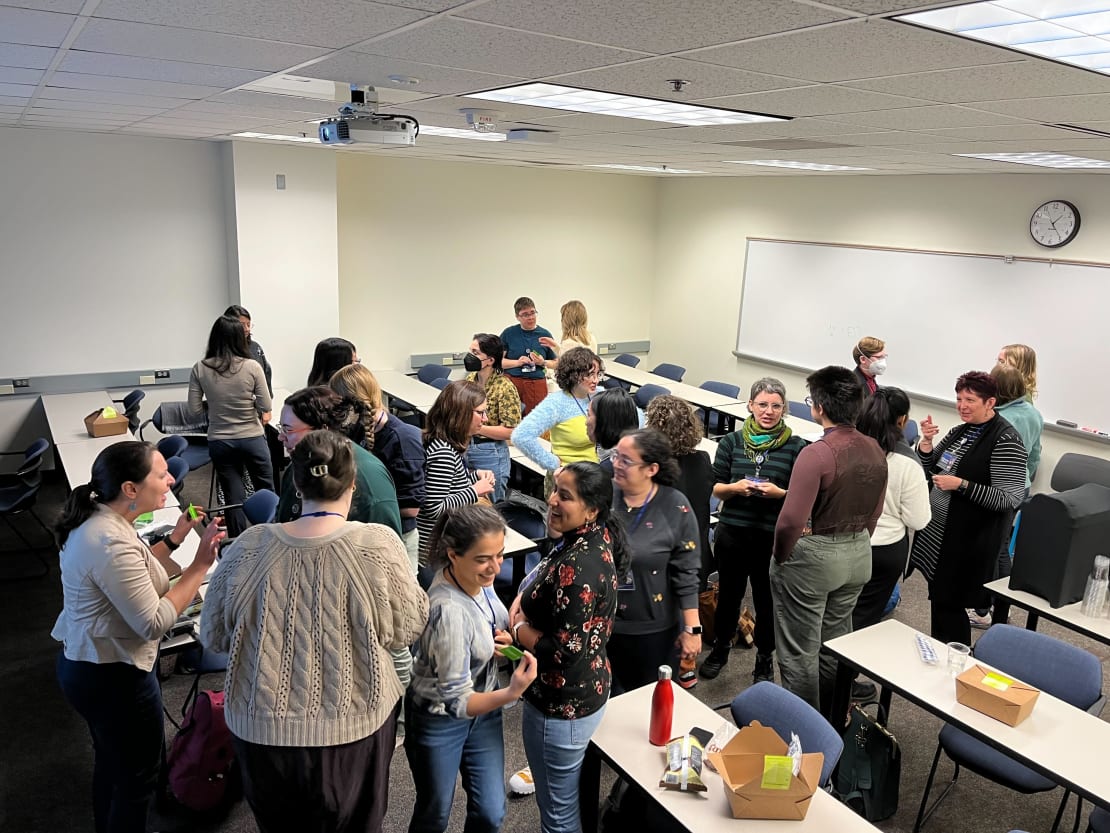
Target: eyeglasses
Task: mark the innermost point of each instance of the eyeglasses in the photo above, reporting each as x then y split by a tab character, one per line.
809	401
622	460
290	431
528	313
482	412
774	407
593	374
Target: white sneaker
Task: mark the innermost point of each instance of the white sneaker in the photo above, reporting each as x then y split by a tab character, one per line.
521	783
977	621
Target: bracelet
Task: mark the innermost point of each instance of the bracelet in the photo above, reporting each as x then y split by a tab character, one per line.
168	541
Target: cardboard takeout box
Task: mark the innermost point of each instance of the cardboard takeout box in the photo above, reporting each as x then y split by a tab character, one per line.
740	765
99	425
996	695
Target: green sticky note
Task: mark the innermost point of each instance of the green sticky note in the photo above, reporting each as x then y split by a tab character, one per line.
192	512
144	519
997	681
777	772
510	652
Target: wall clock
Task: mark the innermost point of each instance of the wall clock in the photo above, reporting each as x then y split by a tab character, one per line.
1054	224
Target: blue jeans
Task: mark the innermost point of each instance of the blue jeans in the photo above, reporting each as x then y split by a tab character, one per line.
438	747
555	750
231	458
122	705
495	457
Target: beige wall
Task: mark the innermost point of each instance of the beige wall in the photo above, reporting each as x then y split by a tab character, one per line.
432	252
703	224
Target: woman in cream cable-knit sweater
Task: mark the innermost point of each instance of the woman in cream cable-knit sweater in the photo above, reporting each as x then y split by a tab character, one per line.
309	611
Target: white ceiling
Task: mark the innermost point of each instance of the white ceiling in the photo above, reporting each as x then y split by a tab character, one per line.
867	90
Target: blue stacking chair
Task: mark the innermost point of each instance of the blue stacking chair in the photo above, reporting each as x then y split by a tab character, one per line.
1065	671
786	712
18	493
798	409
673	372
440	382
645	393
179	470
910	431
172	446
723	423
628	359
131	408
430	372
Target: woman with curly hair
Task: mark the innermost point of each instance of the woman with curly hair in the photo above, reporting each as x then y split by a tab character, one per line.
457	415
563	413
310	409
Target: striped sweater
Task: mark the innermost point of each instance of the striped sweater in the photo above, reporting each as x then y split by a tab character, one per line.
447	484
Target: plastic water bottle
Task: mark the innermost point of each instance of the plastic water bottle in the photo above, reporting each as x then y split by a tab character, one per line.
662	708
1094	597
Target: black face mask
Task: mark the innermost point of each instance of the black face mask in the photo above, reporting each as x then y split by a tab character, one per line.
472	363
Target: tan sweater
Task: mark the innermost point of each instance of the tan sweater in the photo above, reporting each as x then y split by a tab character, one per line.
308	624
234	401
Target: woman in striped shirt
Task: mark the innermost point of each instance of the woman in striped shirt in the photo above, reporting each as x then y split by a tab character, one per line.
978	476
456	416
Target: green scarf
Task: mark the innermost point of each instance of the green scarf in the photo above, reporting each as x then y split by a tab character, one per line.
758	440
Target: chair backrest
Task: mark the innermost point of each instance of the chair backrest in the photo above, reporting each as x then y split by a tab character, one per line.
1065	671
432	371
910	431
32	455
261	507
798	409
786	712
132	400
179	470
674	372
723	388
172	446
645	393
1074	470
628	359
440	382
175	418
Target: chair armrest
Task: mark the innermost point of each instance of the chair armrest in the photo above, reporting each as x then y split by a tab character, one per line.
1096	707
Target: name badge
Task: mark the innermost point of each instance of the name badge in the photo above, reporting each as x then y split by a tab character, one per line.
947	461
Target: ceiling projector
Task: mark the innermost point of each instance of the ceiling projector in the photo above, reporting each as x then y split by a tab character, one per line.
370	130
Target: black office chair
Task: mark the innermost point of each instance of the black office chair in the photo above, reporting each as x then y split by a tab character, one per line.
645	393
172	446
1075	470
18	493
179	470
131	408
674	372
430	372
723	423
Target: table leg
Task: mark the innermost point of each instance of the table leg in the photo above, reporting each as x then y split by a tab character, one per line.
841	697
1031	620
589	790
884	699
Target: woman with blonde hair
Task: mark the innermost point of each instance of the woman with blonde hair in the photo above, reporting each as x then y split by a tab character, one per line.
1024	358
576	332
397	444
869	355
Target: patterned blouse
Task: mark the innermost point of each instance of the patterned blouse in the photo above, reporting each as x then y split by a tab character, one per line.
502	400
571	598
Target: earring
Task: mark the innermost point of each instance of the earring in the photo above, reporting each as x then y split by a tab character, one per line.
298	493
132	506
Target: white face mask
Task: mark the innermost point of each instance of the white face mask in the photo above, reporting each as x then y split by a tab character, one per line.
877	367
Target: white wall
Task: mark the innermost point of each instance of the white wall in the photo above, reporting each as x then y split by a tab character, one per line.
285	245
703	224
432	252
113	251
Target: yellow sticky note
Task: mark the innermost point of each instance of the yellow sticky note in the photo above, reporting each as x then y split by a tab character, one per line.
109	413
997	681
777	771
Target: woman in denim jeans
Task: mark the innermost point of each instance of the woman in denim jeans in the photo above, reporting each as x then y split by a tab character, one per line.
489	448
453	705
564	615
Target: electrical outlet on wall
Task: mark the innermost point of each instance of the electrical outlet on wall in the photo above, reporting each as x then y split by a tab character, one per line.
21	383
161	374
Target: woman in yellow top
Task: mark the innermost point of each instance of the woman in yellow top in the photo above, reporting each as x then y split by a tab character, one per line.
563	413
489	448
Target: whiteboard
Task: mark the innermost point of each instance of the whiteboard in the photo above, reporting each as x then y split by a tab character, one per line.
941	314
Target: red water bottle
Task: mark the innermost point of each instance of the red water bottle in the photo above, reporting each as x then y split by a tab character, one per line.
662	708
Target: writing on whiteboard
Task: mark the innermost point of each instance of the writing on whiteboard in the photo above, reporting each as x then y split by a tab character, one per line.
846	332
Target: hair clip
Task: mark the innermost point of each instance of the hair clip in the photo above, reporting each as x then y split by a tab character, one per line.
319	471
93	494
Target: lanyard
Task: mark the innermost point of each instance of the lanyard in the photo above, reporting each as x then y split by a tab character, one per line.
643	508
489	604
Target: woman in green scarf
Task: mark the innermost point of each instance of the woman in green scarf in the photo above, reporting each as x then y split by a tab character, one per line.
751	472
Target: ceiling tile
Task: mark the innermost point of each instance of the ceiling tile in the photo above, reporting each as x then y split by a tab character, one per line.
275	103
112	97
34	28
649	78
991	83
1064	108
154	69
929	117
428	5
19	75
889	6
96	107
657	26
1002	132
74	115
78	81
63	6
291	21
166	42
824	100
17	90
234	111
855	50
361	68
14	100
481	48
21	55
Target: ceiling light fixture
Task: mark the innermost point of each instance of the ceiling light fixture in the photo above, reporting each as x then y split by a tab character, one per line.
579	100
1076	32
277	137
460	133
655	169
1041	160
801	166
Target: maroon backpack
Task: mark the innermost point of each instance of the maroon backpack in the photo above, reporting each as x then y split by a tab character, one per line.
201	758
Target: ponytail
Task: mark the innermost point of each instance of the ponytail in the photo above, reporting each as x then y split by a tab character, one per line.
79	507
126	462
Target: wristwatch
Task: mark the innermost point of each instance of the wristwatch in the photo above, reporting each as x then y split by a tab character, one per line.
692	629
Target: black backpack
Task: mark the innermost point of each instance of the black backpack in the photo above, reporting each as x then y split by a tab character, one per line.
870	767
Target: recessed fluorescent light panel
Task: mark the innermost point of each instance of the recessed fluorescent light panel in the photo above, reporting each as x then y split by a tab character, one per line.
628	106
460	133
277	137
1075	32
1041	160
800	166
655	169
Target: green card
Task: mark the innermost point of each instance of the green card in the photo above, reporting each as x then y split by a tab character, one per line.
777	772
510	652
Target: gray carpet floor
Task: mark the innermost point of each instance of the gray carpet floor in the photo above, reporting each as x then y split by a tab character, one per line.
46	756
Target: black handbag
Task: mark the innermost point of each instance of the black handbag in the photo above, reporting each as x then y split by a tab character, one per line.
870	767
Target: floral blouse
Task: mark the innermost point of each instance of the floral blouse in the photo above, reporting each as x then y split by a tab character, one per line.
571	598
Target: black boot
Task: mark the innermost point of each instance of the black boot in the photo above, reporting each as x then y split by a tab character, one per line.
713	664
764	668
